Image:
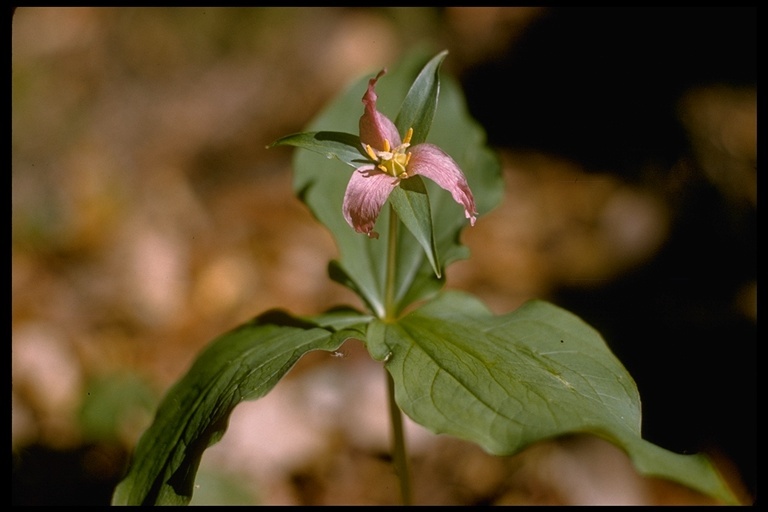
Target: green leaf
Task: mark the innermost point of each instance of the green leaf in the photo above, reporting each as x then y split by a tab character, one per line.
420	104
320	183
243	364
410	199
505	382
411	203
342	146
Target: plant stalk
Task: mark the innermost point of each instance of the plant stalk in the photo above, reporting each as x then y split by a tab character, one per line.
399	456
390	313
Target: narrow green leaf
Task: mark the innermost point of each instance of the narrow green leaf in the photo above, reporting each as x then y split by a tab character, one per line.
342	146
420	104
410	199
505	382
411	203
243	364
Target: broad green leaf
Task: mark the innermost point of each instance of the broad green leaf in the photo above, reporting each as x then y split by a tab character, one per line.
243	364
505	382
320	183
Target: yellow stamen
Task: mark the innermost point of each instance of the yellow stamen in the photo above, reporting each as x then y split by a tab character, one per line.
408	136
392	162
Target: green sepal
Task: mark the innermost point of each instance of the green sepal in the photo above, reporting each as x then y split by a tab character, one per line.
342	146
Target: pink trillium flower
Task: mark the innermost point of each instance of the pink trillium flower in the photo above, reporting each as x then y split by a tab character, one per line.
392	160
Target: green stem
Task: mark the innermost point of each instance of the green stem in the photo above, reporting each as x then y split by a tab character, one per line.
399	457
390	312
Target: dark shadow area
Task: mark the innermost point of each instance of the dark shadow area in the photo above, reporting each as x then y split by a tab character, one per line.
600	86
86	475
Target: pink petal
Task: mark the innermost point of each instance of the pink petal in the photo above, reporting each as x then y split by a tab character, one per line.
375	126
432	162
367	191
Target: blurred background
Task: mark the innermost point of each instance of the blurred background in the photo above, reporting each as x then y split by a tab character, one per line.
148	217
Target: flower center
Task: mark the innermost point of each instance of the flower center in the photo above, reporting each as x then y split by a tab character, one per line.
393	161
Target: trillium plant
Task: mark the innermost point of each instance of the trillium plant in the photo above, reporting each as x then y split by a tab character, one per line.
503	382
372	184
